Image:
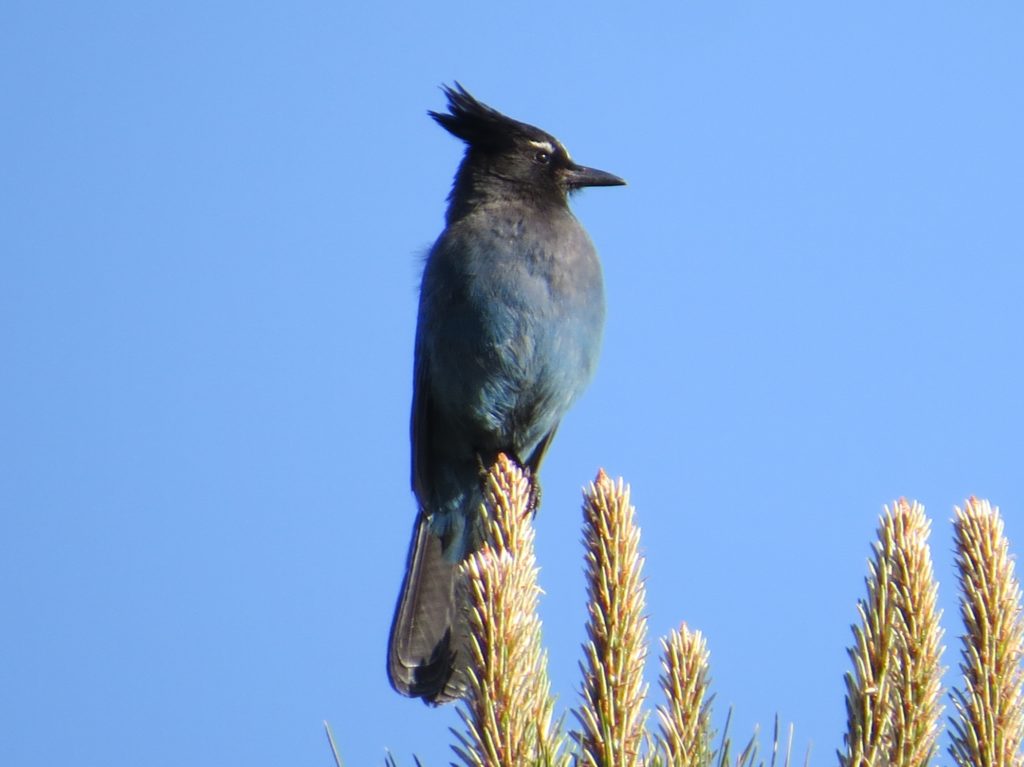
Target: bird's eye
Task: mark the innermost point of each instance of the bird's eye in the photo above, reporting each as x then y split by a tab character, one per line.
542	157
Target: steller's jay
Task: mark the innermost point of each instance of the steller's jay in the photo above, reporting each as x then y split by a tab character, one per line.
510	319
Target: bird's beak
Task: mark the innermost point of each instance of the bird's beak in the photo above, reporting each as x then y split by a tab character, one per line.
578	176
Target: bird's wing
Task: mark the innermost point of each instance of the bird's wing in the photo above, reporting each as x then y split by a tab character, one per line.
427	633
420	422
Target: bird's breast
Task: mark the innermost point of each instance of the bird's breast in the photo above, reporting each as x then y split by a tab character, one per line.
516	313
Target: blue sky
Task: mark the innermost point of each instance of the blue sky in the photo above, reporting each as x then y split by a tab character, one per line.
212	218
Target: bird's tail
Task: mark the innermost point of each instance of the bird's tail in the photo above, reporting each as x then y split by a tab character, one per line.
428	635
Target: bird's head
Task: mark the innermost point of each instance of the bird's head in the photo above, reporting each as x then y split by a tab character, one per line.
513	154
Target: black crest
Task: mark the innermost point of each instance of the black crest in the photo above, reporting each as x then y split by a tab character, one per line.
478	124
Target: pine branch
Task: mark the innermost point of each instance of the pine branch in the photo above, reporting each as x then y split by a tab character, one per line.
686	717
989	725
611	717
508	708
917	672
868	698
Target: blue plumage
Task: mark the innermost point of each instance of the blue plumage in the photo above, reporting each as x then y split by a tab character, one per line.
508	335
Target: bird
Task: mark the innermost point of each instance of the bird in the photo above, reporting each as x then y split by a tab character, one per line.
511	314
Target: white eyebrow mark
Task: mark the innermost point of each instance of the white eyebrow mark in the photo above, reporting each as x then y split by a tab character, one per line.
545	145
